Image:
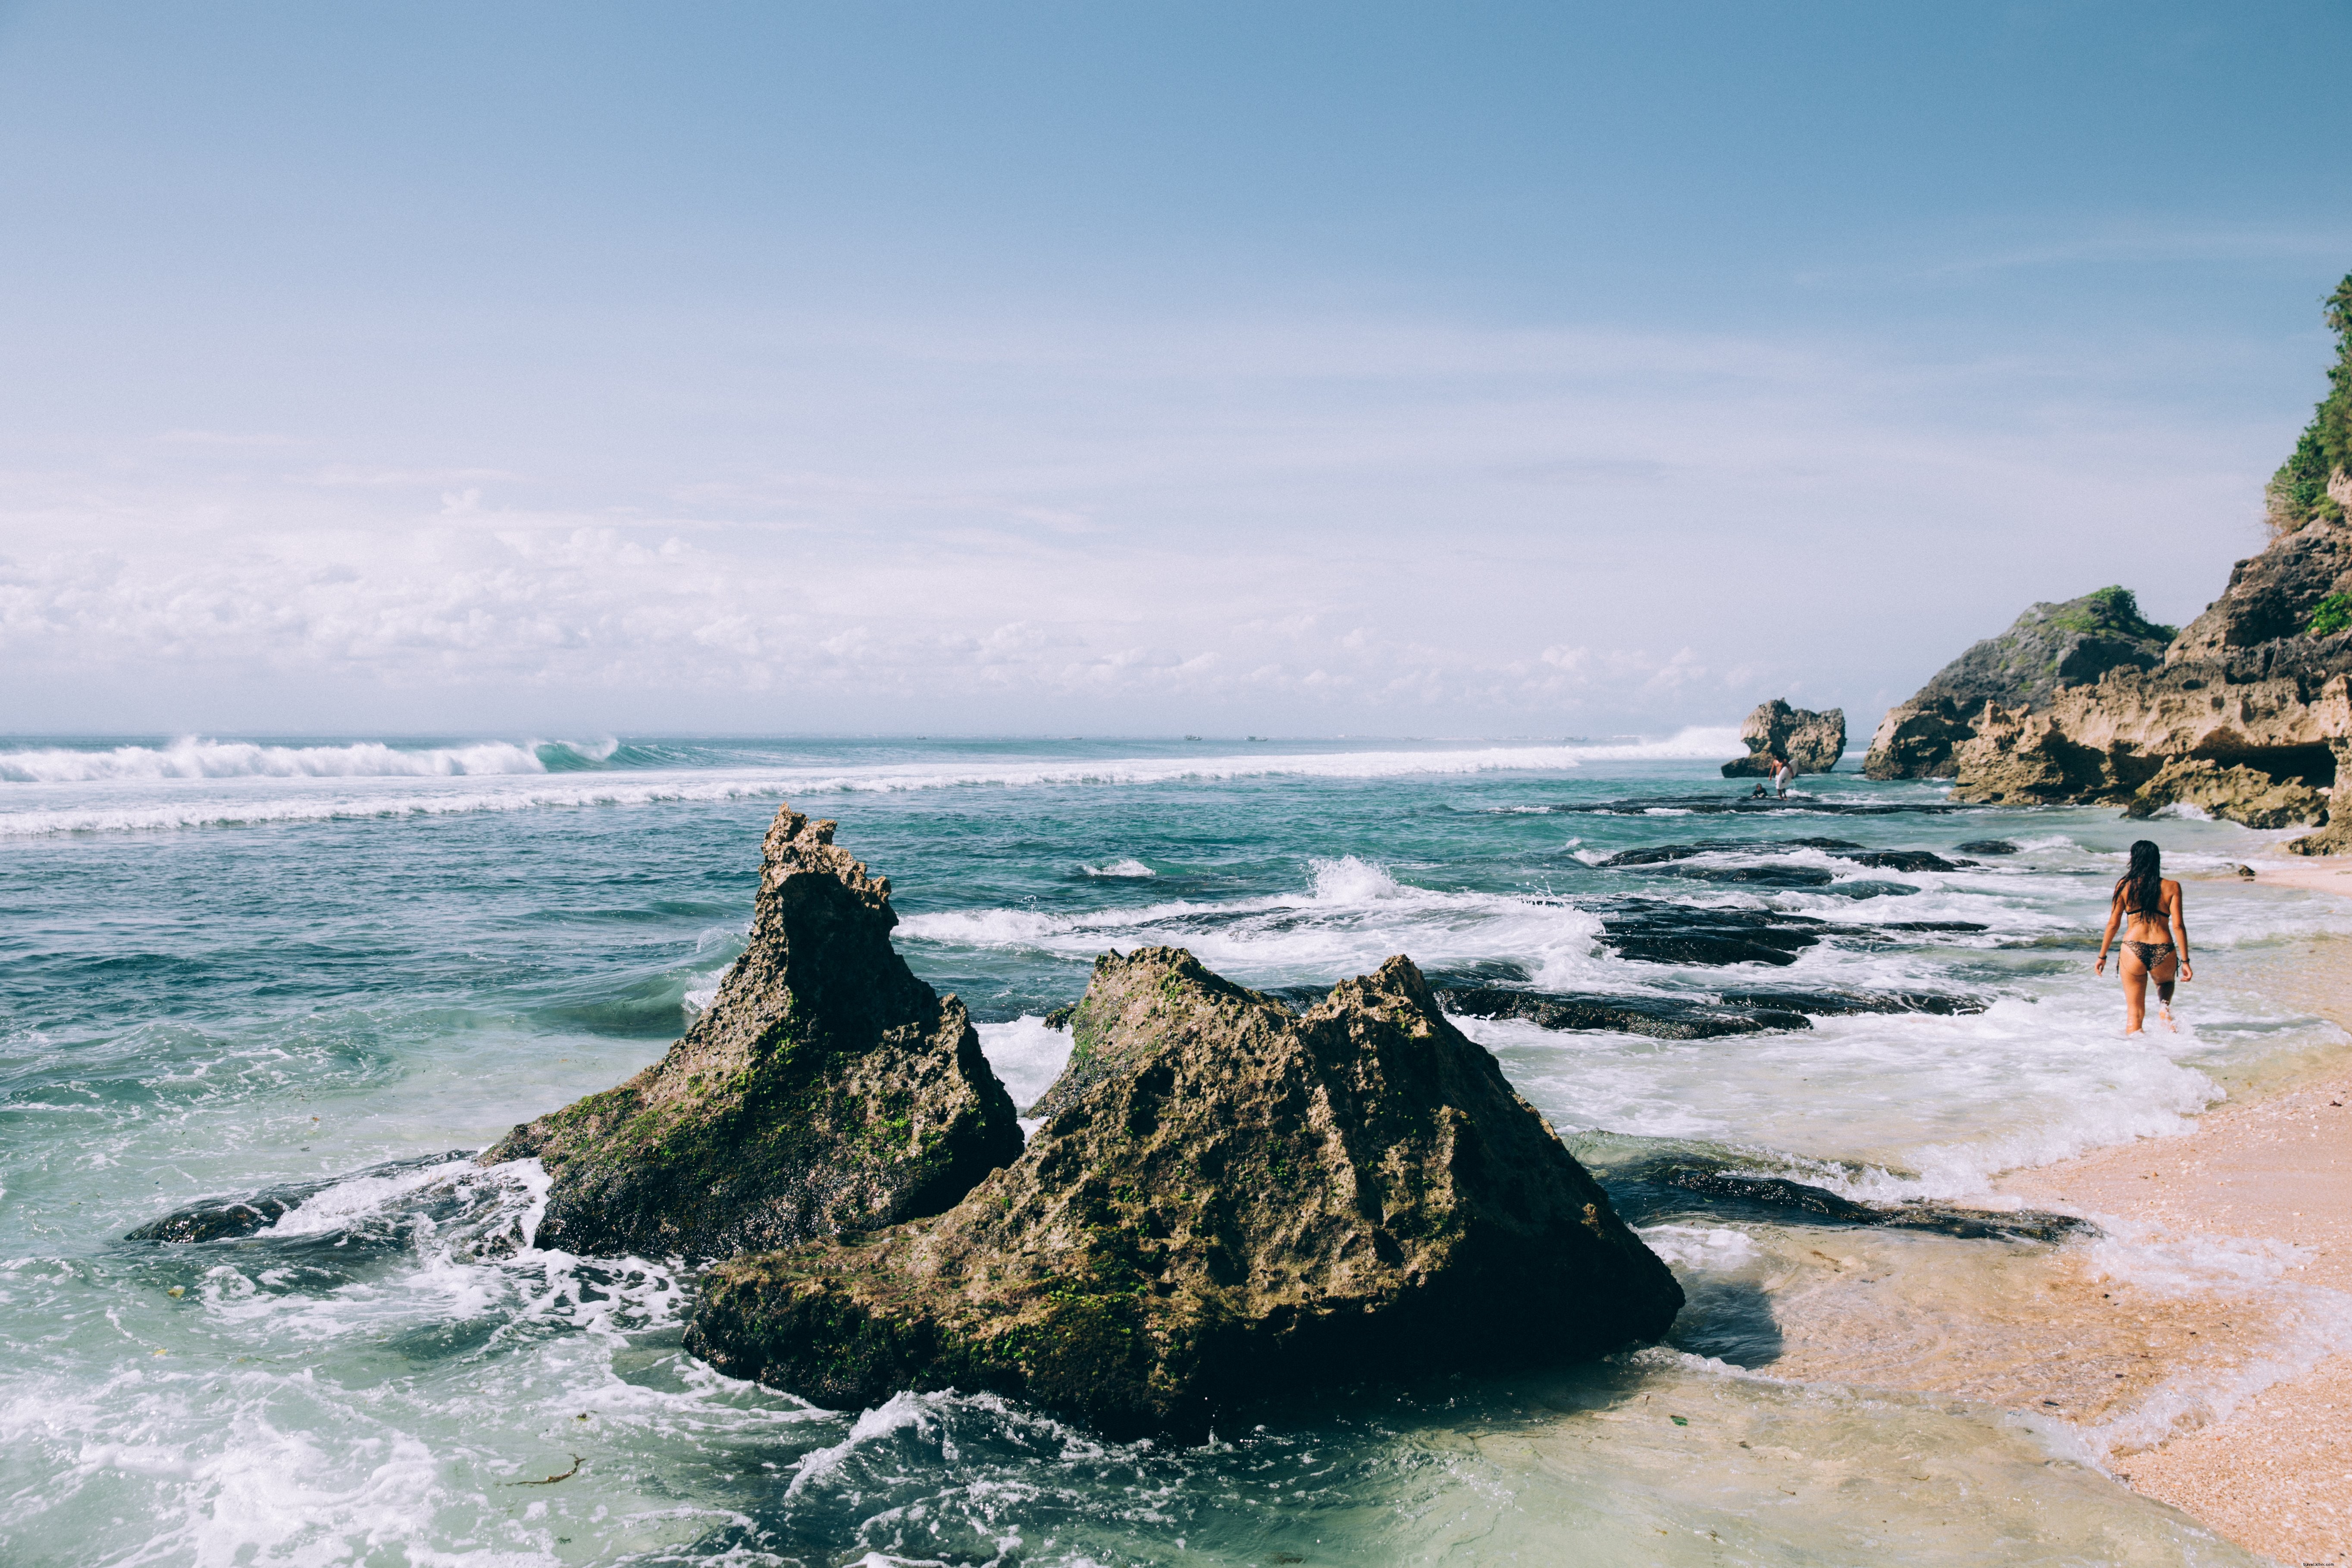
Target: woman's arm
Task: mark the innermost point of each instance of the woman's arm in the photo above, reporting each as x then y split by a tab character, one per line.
2180	927
2107	940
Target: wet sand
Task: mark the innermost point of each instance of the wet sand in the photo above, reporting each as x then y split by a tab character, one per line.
2187	1343
2274	1471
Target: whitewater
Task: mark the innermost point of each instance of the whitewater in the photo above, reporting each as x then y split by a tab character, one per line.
330	969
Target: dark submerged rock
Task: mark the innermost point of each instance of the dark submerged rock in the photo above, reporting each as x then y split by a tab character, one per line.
1657	932
826	1088
1900	860
1837	849
1727	1014
216	1219
1659	1017
1760	876
1987	847
1791	1198
1229	1202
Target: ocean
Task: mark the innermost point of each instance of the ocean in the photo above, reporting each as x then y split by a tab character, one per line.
333	966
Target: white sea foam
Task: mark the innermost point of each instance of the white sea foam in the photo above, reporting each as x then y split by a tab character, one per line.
1355	915
1695	1247
194	758
403	783
2307	1324
1129	868
1027	1055
338	1205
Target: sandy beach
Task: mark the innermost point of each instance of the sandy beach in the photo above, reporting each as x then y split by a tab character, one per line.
2275	1472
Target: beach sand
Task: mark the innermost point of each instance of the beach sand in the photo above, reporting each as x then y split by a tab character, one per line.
2186	1342
2275	1472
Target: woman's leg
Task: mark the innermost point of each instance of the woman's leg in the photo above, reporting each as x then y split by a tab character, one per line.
2134	977
2167	970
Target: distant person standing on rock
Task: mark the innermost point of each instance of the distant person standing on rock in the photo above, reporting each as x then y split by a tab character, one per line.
2156	940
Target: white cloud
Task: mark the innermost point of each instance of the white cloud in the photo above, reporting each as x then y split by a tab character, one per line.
1335	526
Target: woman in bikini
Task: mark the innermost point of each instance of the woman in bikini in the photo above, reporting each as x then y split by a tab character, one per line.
2156	940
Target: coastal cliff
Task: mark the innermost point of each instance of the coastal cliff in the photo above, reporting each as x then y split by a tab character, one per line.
2050	648
2245	714
825	1089
2246	717
1226	1201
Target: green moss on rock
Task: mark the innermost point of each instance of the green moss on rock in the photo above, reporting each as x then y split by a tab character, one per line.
825	1089
1226	1201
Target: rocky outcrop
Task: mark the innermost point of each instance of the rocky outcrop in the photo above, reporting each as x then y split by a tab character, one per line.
2248	716
2271	596
2335	839
2049	649
1813	742
1226	1201
2236	793
825	1089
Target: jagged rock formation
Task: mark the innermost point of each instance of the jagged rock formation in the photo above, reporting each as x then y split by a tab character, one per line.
1813	742
825	1089
1226	1200
2049	649
2245	722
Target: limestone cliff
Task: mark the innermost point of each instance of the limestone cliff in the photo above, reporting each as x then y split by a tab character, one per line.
1226	1201
2247	716
2051	647
825	1089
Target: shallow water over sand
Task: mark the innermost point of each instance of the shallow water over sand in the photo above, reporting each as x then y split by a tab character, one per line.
348	967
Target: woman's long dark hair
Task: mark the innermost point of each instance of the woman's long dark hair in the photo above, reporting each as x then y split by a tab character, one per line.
2142	888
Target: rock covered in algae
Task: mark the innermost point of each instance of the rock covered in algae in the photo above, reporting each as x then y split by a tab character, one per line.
825	1089
1226	1201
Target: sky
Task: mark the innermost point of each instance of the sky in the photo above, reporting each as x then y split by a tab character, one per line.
1478	369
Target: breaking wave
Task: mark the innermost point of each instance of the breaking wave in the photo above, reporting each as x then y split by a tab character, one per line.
194	758
387	781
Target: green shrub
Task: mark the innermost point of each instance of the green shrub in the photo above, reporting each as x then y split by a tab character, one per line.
2298	492
2332	615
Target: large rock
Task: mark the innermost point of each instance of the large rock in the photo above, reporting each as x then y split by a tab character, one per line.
1813	742
2049	649
825	1089
1226	1200
2236	793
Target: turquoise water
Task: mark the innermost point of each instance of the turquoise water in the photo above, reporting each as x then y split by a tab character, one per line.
231	966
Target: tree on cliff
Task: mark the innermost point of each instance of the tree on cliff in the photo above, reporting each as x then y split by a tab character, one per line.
2300	491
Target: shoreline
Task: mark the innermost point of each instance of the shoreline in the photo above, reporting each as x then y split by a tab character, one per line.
2267	1176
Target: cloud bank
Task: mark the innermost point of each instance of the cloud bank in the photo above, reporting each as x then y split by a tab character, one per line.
1345	526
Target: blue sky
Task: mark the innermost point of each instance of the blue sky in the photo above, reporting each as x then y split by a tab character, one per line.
1504	369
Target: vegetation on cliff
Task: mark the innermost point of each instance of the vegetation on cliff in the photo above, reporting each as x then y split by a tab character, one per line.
2050	648
2312	484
